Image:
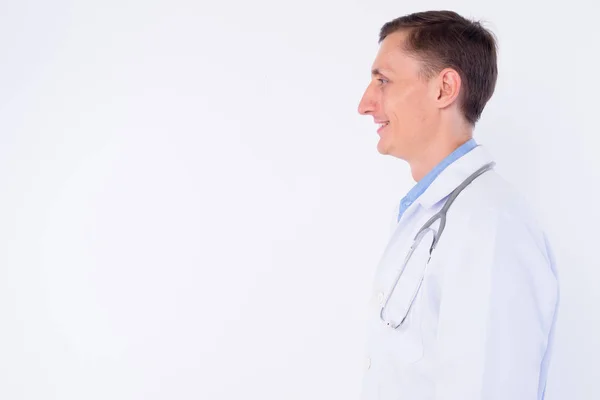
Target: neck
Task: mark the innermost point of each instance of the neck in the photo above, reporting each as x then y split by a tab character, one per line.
434	153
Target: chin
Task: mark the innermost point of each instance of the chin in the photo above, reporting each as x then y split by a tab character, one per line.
382	149
388	151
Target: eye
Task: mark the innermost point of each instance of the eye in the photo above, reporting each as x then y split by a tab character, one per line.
382	80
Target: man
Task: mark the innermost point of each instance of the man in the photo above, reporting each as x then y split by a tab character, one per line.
470	314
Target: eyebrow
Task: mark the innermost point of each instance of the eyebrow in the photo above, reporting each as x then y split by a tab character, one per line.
377	71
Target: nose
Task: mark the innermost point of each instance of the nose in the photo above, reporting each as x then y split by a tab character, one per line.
368	102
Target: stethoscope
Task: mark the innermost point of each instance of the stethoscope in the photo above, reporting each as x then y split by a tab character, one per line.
426	228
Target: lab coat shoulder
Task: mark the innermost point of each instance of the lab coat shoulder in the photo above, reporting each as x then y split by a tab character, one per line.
492	202
502	230
499	296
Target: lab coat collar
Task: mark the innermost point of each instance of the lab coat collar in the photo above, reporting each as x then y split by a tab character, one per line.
453	176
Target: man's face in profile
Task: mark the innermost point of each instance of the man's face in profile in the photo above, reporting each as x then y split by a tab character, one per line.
399	98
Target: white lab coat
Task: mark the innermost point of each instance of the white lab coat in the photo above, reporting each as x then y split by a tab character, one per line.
482	324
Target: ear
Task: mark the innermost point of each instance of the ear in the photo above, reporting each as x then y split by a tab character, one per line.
449	85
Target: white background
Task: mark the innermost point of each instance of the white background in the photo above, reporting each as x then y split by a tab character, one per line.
192	208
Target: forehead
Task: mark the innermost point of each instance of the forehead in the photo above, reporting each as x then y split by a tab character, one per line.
392	58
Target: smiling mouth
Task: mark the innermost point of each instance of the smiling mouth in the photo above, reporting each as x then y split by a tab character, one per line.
382	125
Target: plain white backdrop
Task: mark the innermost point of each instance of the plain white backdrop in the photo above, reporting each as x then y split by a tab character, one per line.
192	208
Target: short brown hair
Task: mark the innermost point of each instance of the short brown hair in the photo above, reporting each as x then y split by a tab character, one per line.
442	39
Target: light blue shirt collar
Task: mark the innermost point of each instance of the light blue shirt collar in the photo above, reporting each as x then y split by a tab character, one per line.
424	183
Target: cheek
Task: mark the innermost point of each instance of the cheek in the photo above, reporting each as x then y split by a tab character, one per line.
407	108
